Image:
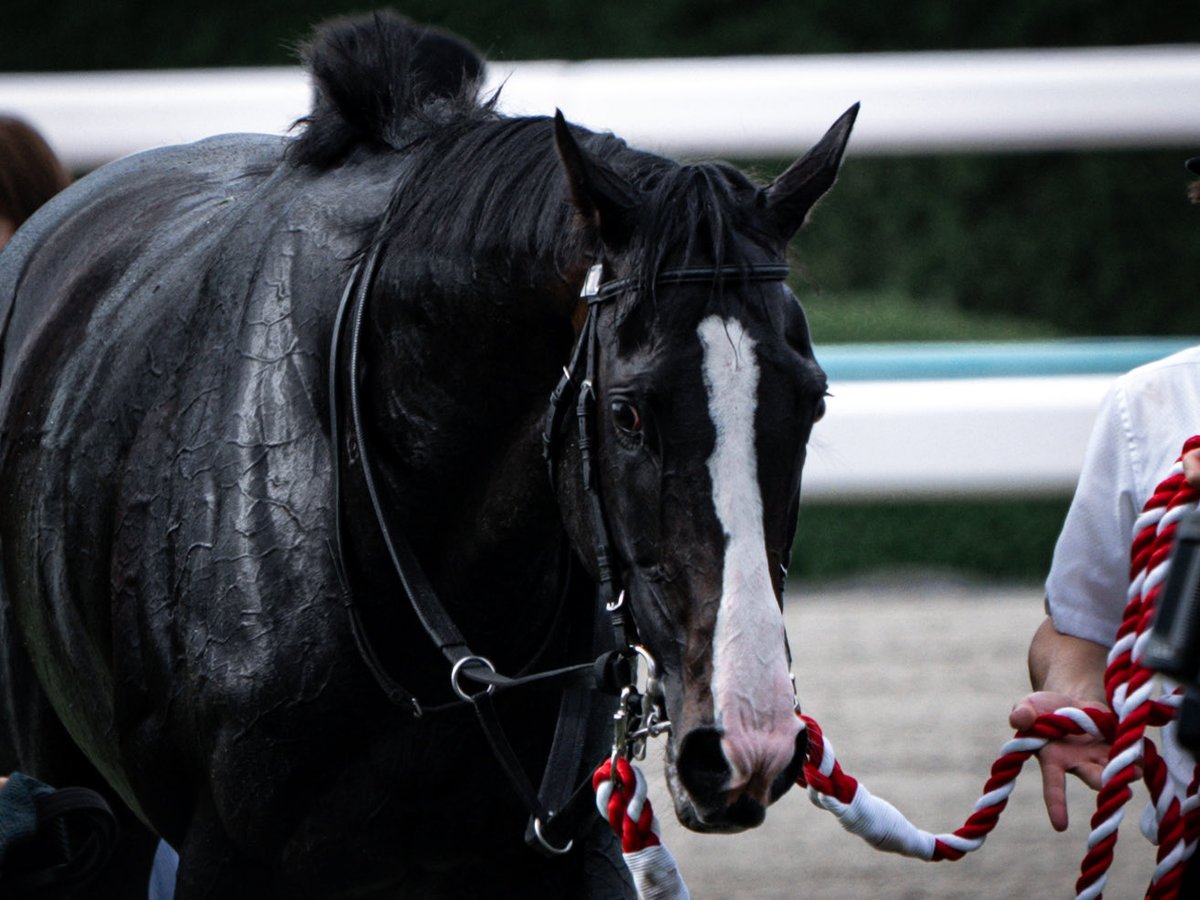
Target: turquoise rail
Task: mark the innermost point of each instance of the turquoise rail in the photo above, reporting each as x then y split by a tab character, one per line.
912	361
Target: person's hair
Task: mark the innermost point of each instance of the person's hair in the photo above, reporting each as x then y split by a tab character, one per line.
30	173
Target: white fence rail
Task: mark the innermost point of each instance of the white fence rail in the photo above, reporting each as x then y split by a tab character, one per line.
739	107
881	438
922	420
885	440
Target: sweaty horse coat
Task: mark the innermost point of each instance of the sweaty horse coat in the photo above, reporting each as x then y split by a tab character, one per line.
174	626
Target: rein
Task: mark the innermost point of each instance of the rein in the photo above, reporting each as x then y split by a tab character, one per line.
605	673
1130	689
556	811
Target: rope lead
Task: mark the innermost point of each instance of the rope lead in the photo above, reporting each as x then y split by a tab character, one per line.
1130	689
1173	821
623	803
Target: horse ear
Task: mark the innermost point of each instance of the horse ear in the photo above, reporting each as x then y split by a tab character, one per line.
790	197
602	196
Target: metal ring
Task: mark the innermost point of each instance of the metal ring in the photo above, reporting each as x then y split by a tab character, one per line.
457	670
557	851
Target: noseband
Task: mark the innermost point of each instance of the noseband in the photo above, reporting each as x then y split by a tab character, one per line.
555	806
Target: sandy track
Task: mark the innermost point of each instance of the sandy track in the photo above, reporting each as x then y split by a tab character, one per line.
912	680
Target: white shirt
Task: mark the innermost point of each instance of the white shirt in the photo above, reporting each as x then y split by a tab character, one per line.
1139	434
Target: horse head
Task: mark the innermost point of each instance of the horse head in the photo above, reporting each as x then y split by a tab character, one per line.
705	391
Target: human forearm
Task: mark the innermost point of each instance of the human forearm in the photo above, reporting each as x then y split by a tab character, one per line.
1065	671
1065	664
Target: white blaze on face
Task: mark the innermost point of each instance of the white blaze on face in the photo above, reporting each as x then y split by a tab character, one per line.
752	691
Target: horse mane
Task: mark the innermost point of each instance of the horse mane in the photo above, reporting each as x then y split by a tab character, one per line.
494	189
373	74
487	186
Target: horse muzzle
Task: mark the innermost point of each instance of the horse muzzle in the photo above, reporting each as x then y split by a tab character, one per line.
714	795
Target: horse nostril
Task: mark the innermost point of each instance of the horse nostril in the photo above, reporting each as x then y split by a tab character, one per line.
703	769
784	780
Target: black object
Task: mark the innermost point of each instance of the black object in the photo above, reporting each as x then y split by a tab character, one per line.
1193	165
70	836
1173	647
1174	644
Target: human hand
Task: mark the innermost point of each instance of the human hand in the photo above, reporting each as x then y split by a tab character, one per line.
1080	755
1191	467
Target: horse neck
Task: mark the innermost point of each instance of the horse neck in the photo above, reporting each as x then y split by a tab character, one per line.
458	381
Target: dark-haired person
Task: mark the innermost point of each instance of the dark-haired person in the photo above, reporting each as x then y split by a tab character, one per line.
1142	425
30	174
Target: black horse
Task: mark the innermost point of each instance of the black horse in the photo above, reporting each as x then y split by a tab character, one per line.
274	423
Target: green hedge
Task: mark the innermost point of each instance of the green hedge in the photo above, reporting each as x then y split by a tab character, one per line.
1089	243
41	35
1007	540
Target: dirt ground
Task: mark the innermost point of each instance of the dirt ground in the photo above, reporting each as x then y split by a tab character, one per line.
911	679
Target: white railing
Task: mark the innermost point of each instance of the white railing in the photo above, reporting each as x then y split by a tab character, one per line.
885	440
738	107
881	438
928	420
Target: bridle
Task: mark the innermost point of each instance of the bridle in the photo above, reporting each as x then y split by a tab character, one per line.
556	810
596	293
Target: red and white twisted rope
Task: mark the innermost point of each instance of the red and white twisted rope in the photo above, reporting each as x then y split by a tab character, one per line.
1129	687
623	802
1130	690
884	827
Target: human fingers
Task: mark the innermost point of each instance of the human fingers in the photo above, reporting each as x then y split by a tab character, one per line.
1054	791
1028	708
1023	715
1089	772
1191	467
1080	756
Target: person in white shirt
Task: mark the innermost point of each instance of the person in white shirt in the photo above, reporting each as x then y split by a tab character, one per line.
1138	436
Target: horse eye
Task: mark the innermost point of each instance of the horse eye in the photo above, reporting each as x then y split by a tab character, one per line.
626	416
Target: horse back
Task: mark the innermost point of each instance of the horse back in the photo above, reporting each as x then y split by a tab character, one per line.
149	313
138	207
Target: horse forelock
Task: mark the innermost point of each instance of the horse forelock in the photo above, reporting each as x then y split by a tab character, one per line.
697	214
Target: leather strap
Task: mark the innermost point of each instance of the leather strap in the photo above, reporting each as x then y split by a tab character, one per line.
578	682
549	825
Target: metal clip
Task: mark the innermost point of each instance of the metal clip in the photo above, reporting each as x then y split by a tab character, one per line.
652	716
621	726
557	851
456	672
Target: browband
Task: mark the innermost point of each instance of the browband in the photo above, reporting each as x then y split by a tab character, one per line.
594	291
